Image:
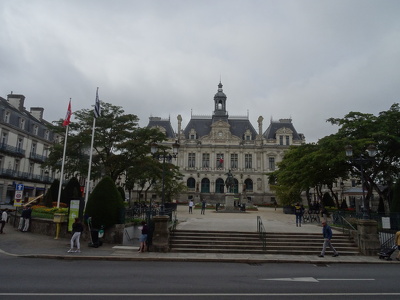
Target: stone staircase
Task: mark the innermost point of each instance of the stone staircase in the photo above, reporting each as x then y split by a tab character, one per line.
250	243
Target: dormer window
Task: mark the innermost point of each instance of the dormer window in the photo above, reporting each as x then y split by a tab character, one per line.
46	135
22	123
6	117
247	135
192	134
35	129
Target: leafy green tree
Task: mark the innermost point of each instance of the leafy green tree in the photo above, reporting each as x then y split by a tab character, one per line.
104	204
173	184
361	130
113	129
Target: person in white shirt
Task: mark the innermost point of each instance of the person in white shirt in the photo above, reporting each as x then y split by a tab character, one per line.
4	217
191	204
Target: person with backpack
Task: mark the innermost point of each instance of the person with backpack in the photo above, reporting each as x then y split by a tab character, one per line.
298	211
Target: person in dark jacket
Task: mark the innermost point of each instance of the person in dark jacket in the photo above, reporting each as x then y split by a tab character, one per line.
298	211
27	214
327	234
77	229
143	237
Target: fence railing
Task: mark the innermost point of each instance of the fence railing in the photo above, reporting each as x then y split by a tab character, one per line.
262	232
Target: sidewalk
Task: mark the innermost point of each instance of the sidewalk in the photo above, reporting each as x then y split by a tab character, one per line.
27	244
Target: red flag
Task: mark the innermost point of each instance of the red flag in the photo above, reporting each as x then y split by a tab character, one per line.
68	115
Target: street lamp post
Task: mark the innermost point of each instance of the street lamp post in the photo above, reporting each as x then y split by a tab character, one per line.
361	161
46	179
164	156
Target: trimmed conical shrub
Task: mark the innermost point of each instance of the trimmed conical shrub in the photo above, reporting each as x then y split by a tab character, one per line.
104	204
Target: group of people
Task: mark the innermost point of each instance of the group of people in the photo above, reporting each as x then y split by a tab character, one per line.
25	219
203	206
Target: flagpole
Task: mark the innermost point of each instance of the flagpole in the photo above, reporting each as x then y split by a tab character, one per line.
90	164
62	167
96	114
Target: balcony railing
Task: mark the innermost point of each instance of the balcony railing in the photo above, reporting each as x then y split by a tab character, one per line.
12	150
10	173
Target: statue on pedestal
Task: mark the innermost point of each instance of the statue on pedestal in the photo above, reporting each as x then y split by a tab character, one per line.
229	182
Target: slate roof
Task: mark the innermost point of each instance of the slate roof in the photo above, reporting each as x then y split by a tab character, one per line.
270	133
203	127
165	123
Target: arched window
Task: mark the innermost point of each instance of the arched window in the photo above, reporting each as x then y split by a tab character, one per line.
249	185
236	187
205	185
191	183
219	186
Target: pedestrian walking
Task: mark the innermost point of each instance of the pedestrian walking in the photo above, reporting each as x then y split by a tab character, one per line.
77	229
327	234
203	207
298	211
191	204
4	217
143	237
397	241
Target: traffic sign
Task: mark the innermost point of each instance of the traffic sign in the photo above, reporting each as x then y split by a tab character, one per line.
19	187
18	194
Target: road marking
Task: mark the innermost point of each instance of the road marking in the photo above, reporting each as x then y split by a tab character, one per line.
161	295
312	279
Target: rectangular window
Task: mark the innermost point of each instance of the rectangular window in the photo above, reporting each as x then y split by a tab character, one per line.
33	148
206	160
35	129
20	143
234	161
31	168
220	160
45	152
280	140
287	140
272	163
192	160
16	165
248	161
4	138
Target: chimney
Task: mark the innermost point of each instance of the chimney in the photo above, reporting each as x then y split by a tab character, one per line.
16	100
37	112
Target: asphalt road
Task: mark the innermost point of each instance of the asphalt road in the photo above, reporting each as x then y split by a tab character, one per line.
27	278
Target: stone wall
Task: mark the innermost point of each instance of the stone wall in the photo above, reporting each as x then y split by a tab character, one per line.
113	235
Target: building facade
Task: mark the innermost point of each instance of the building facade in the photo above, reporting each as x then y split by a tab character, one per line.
24	146
210	146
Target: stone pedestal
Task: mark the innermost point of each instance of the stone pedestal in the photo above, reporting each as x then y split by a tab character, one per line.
229	203
160	242
368	238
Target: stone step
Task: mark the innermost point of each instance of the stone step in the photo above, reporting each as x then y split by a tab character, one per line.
250	243
261	251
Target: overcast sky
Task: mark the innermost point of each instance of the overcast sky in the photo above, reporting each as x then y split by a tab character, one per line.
307	60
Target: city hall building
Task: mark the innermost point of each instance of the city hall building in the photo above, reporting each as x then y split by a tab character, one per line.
212	145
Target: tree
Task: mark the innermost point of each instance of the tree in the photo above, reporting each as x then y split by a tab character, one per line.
72	191
173	184
361	130
113	129
104	204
